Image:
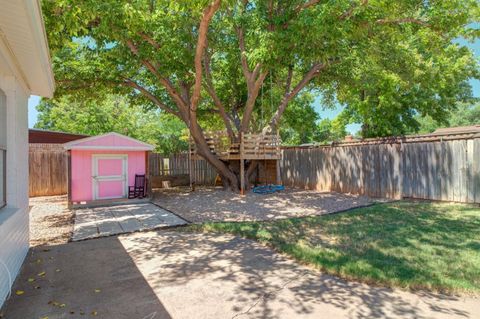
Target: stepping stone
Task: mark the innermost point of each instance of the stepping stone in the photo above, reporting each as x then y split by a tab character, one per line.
83	232
107	221
127	221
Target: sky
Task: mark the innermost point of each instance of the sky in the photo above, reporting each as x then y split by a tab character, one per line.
324	113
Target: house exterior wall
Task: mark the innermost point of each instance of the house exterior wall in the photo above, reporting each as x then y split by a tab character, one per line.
81	170
14	222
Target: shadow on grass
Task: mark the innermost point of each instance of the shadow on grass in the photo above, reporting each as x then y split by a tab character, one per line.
245	279
411	245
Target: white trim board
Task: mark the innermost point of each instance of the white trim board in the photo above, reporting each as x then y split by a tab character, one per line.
110	148
75	144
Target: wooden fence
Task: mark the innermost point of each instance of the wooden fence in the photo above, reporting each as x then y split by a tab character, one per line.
442	169
439	170
178	165
47	169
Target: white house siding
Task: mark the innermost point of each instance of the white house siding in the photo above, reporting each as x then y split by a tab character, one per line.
14	229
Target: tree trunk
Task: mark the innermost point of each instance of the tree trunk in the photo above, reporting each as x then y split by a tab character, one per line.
202	148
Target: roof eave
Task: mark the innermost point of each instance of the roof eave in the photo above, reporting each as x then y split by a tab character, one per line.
37	26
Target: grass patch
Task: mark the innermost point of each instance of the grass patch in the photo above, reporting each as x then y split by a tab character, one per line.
416	245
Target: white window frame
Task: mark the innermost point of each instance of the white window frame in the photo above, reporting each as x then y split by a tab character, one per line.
3	149
3	180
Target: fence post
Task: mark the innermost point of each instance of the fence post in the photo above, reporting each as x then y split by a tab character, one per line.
242	166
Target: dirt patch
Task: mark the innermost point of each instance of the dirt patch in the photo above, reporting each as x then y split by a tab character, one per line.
51	222
214	204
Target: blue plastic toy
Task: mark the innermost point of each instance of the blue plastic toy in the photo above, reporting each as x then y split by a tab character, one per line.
268	189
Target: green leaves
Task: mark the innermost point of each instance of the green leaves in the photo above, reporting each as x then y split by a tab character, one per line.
387	61
113	113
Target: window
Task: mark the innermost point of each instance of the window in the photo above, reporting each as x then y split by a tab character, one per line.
3	148
3	177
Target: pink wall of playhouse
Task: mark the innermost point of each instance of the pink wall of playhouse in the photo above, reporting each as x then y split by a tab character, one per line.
109	141
82	171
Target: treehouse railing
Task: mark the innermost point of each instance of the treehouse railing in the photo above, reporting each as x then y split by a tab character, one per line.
250	147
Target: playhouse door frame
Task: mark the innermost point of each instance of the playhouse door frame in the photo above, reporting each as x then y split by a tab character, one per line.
98	179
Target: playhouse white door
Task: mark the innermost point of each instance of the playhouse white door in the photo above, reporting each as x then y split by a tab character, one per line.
110	176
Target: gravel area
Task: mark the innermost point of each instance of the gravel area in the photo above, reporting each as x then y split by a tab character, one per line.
51	222
214	204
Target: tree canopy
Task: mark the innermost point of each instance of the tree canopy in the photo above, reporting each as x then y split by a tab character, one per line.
207	61
114	114
464	114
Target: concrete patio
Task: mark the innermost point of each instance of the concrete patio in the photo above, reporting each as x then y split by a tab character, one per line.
169	274
113	220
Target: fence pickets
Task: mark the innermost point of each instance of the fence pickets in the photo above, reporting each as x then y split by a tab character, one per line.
178	164
47	170
441	170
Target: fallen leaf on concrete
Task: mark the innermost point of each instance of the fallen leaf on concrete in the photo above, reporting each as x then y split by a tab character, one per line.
19	292
41	274
31	279
94	313
98	290
46	317
82	313
57	270
39	260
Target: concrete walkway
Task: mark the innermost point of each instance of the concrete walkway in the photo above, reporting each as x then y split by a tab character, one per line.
168	274
112	220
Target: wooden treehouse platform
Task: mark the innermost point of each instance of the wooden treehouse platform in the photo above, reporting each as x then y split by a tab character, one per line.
250	146
260	147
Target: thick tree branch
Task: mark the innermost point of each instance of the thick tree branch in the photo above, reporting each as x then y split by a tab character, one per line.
182	105
201	45
347	14
150	96
185	90
313	72
306	5
149	39
243	57
288	83
252	97
216	100
254	80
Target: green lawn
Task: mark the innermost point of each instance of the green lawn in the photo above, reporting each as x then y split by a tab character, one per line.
433	246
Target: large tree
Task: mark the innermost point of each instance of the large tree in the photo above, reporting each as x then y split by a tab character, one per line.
204	58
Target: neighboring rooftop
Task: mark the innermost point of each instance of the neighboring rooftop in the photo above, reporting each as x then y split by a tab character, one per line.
36	136
441	134
458	130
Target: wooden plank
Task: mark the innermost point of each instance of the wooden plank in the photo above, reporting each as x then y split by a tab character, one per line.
242	166
48	170
470	192
476	170
455	171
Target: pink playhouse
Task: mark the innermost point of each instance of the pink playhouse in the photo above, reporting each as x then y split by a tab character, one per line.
105	167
